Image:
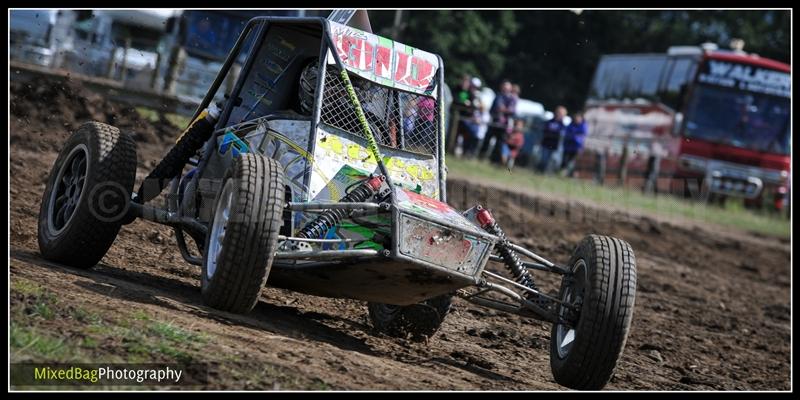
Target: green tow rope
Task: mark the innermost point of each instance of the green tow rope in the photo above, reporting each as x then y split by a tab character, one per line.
372	144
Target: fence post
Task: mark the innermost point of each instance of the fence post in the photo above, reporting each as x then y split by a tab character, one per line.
124	68
651	182
175	64
600	167
622	174
112	61
154	76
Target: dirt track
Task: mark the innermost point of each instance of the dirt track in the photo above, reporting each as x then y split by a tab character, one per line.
711	312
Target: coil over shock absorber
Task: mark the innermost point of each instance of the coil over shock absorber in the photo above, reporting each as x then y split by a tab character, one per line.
329	218
510	258
191	140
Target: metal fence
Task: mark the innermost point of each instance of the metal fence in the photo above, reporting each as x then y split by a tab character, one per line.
397	119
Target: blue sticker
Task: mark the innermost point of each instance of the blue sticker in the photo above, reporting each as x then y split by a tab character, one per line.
230	140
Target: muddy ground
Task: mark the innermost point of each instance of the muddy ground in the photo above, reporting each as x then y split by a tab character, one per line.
712	311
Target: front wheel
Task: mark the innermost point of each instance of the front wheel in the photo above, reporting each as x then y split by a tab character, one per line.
241	242
87	195
584	349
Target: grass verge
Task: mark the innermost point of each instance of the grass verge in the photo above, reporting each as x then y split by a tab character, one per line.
47	328
733	214
179	121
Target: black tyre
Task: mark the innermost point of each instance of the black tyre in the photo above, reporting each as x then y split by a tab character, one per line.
416	321
87	195
604	286
241	243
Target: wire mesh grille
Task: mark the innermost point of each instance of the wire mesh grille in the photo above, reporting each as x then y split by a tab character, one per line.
397	119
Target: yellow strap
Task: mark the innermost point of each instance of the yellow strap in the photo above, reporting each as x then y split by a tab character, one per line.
202	115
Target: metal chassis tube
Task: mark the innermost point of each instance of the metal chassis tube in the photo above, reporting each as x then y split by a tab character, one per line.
166	217
322	206
524	307
486	287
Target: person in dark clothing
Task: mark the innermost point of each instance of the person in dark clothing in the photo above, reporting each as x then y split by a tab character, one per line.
462	91
574	136
465	104
473	121
502	109
551	138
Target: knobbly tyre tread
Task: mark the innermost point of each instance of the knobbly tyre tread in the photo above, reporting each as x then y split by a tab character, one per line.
605	317
251	236
417	321
85	239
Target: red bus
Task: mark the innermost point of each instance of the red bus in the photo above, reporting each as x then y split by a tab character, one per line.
703	121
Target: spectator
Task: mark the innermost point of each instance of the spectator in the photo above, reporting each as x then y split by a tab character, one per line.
409	103
502	109
464	98
513	143
462	106
472	122
551	138
426	111
574	135
483	119
515	92
464	92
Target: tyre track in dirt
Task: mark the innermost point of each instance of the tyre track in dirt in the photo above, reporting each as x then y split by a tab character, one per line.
712	312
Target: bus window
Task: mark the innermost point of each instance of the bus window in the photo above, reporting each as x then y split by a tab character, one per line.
681	74
628	77
738	118
644	77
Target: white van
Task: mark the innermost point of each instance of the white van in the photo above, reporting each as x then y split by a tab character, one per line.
39	36
102	36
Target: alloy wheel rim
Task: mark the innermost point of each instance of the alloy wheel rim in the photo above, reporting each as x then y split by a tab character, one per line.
218	228
573	294
68	190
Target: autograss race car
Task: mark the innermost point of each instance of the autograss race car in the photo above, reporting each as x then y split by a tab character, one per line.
322	170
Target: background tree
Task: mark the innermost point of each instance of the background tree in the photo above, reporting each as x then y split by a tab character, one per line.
553	54
476	41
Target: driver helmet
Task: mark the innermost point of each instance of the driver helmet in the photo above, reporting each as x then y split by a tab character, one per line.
308	85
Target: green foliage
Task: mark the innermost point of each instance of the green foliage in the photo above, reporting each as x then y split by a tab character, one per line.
25	339
553	54
471	42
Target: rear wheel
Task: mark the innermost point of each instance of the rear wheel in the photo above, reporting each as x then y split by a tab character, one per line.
416	321
87	195
241	242
584	353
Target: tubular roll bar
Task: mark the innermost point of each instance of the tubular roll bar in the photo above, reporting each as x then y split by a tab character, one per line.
234	52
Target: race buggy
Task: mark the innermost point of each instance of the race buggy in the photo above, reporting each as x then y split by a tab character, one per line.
322	170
